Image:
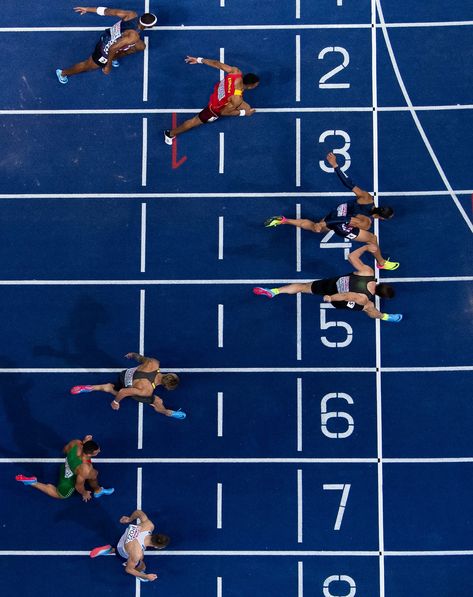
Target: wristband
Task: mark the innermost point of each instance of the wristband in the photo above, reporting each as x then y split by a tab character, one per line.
242	112
101	10
200	60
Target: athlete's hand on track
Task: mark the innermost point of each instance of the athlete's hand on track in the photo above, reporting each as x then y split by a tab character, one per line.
129	355
327	298
87	496
81	9
87	438
125	520
191	60
115	405
250	112
151	577
332	160
106	69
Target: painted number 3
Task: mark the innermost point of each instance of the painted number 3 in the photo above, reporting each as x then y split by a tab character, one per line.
343	151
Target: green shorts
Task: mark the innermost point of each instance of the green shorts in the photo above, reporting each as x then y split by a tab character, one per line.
66	486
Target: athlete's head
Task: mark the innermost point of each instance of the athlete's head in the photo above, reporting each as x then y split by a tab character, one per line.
250	81
384	290
90	448
383	213
148	20
170	381
159	541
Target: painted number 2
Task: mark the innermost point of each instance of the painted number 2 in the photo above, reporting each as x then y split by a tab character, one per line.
345	62
343	151
336	578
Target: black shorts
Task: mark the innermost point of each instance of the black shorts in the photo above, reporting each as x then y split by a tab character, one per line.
98	57
322	287
344	230
120	384
207	115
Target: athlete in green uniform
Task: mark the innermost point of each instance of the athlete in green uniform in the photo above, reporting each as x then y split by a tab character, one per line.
76	470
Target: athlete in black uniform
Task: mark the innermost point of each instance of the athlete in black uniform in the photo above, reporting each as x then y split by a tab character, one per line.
118	41
138	383
350	220
354	291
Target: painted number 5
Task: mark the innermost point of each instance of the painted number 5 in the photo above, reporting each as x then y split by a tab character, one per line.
325	325
343	151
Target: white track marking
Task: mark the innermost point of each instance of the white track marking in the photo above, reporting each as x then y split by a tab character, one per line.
220	414
219	505
144	153
298	240
457	460
221	153
298	9
420	128
300	579
299	326
299	414
139	488
143	238
220	237
222	60
298	68
220	325
145	68
141	351
219	586
298	152
300	522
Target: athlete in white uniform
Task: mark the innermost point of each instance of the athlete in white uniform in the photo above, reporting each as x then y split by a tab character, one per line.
132	545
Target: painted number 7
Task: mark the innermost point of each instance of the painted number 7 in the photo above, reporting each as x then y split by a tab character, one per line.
345	489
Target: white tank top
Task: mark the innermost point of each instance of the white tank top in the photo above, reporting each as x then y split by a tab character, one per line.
131	533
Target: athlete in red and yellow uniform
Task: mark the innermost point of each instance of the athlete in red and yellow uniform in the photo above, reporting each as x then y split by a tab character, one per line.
226	98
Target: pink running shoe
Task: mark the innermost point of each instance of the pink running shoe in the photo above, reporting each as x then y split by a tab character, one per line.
26	480
264	292
104	550
81	389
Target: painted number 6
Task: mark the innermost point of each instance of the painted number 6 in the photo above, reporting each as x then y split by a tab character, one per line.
343	151
326	416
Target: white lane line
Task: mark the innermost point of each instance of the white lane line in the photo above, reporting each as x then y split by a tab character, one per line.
219	586
221	153
144	153
220	414
300	579
145	68
220	326
146	5
456	460
298	240
298	9
141	351
299	326
143	238
139	488
298	68
264	553
229	195
456	368
220	237
298	152
339	2
222	60
420	128
222	3
299	507
379	423
299	414
219	504
249	27
205	282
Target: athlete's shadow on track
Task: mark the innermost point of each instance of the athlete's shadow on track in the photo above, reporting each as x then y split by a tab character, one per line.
30	436
77	339
99	519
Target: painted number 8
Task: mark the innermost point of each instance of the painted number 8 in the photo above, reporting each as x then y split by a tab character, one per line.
339	578
343	151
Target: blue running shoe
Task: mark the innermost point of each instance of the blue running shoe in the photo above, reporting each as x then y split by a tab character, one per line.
115	63
60	77
178	414
103	491
394	318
